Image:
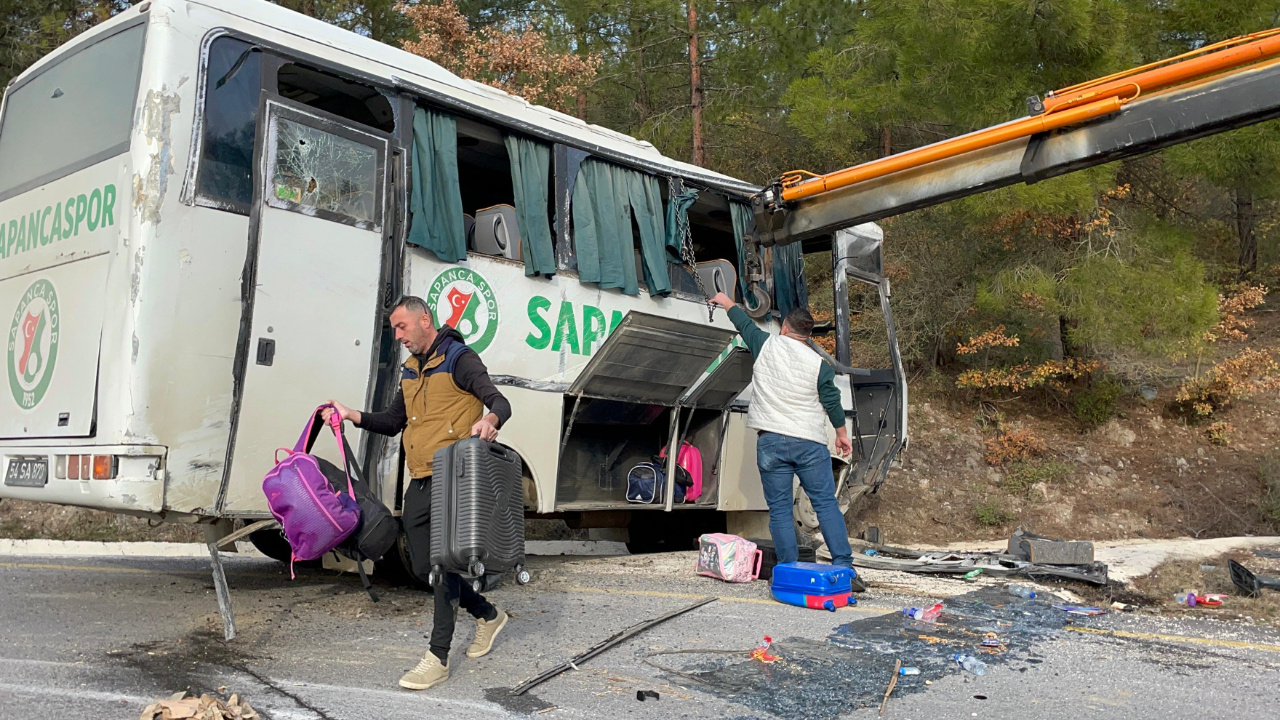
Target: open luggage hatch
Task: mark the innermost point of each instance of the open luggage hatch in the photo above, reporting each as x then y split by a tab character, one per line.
650	369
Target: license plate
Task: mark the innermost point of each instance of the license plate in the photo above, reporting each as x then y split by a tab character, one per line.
27	472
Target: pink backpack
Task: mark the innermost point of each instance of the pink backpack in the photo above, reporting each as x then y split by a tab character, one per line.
689	458
314	516
728	557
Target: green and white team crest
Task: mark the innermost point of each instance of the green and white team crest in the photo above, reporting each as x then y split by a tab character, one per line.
33	344
462	299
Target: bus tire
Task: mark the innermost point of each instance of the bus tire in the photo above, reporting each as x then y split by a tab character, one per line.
272	544
396	567
656	531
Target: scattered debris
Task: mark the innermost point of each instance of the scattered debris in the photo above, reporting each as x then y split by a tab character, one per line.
616	638
642	694
970	663
921	615
1191	599
1123	607
823	679
994	563
1080	610
972	575
762	653
205	707
893	682
1248	583
1049	551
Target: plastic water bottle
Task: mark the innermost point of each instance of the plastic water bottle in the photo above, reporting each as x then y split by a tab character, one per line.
924	615
1022	591
970	663
909	671
1187	598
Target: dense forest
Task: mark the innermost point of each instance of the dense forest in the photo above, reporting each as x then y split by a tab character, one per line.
1117	274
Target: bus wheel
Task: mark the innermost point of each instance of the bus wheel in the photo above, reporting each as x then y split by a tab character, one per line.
396	567
657	531
272	544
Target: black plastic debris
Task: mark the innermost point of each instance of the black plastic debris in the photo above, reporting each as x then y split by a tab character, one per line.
642	694
822	679
996	564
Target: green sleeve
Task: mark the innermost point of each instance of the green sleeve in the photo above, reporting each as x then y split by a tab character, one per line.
830	395
752	335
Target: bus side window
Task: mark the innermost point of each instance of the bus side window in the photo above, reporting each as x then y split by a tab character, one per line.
335	95
711	229
232	87
488	195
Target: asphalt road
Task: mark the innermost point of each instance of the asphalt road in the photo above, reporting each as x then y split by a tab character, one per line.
101	638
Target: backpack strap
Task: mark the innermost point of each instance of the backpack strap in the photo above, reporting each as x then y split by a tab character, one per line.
312	431
364	577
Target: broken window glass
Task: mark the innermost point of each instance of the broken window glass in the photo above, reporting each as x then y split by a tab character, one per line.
323	171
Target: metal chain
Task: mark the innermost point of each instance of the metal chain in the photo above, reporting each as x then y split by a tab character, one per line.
675	186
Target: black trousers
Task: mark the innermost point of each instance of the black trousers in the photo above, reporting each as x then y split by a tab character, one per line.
456	591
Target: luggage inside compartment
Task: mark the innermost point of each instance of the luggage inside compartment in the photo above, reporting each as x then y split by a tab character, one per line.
610	438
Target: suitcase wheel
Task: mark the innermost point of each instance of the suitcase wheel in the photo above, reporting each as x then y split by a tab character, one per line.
476	568
477	584
433	578
522	576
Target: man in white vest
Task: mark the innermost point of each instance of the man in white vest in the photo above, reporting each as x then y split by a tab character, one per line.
793	400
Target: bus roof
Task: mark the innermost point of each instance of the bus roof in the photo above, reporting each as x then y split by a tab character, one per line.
404	70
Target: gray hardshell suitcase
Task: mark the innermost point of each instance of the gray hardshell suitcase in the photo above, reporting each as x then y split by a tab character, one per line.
477	511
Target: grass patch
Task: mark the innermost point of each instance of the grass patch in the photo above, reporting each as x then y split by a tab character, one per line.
1020	476
15	530
1176	576
991	513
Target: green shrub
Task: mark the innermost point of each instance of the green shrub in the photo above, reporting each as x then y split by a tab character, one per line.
1020	476
990	513
1098	403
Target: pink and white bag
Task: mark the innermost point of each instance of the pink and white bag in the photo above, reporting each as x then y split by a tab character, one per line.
728	557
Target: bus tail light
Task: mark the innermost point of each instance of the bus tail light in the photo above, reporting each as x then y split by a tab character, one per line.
104	467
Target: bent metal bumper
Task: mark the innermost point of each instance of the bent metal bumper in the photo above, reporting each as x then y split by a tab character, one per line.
129	478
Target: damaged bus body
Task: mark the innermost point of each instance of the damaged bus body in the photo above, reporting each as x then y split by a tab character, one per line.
248	190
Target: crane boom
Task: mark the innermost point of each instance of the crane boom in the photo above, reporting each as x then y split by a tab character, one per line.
1218	88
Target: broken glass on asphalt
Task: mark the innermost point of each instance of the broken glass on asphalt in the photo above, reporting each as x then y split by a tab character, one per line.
821	679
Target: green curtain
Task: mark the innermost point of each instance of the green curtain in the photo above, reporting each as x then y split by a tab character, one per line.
677	217
435	203
530	168
743	221
788	278
646	206
605	198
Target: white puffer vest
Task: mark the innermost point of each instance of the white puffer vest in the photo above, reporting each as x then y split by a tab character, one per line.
784	395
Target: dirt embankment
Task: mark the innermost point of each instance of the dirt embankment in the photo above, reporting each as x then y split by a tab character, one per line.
1143	474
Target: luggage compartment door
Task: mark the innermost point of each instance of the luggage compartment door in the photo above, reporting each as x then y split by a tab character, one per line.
311	303
651	360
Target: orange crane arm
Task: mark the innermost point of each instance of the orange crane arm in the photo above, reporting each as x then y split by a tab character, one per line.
1062	108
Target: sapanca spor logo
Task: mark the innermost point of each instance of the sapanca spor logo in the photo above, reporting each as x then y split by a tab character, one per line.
462	299
33	344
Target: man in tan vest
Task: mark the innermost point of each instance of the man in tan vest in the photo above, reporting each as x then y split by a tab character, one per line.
444	389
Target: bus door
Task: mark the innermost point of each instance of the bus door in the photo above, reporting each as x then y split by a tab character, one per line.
309	327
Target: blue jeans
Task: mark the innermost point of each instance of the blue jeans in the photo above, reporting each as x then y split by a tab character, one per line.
780	457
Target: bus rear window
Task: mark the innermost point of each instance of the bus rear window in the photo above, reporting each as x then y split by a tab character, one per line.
75	113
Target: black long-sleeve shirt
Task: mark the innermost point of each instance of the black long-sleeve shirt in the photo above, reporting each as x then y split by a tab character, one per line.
469	374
